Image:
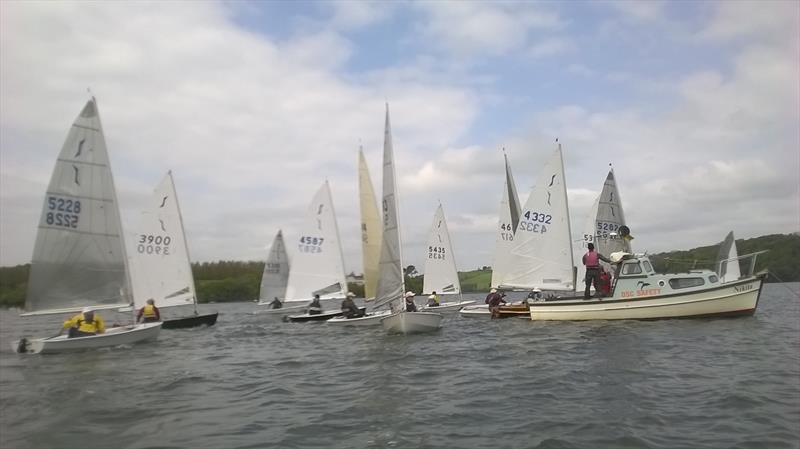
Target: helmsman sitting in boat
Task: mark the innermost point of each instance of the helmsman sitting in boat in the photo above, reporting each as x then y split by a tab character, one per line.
149	313
85	324
349	307
315	308
276	303
535	294
410	306
433	300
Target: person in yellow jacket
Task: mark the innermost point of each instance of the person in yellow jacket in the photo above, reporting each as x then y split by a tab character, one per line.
85	324
149	312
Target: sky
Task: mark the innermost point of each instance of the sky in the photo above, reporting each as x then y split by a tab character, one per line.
253	105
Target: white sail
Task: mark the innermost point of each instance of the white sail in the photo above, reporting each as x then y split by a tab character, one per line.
508	219
441	275
318	265
370	228
162	270
79	257
276	272
390	277
542	252
727	261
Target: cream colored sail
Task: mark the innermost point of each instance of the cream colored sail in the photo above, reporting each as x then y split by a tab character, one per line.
370	228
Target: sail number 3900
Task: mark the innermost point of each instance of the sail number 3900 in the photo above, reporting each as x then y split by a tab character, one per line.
154	244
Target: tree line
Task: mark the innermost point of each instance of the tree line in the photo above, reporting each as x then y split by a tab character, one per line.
229	281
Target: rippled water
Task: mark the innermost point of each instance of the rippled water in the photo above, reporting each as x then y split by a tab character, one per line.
256	382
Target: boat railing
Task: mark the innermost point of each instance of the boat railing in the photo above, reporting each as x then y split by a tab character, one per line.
751	265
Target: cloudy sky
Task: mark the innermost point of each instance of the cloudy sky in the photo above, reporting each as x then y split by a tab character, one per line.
254	104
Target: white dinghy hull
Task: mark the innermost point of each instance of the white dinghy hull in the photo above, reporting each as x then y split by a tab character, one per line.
453	306
731	299
115	336
370	319
412	322
479	310
282	311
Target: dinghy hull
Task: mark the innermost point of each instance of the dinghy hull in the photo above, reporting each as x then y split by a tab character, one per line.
452	306
191	321
115	336
370	319
412	322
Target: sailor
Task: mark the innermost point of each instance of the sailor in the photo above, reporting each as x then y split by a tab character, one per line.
85	324
535	294
149	313
276	303
495	300
433	300
315	308
349	307
605	282
592	261
410	306
489	297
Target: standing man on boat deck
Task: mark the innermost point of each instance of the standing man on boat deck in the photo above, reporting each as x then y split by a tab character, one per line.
592	261
149	312
85	324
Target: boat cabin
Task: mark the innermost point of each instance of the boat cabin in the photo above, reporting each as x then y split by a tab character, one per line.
636	278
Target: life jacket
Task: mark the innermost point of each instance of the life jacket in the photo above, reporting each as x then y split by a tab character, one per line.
591	259
87	326
149	311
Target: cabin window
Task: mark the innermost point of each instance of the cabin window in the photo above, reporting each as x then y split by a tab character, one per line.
631	268
713	278
647	267
677	283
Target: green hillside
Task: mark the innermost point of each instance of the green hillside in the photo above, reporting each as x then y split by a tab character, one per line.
225	281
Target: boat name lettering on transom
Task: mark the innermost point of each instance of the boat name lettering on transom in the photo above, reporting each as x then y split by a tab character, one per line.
743	288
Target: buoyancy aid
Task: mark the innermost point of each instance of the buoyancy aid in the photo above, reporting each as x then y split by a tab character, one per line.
149	311
80	323
591	259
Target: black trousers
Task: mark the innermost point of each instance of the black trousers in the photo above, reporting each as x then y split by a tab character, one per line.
592	276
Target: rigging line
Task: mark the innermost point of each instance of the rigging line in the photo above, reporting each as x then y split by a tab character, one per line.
784	284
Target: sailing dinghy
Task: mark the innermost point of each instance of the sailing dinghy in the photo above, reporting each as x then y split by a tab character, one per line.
441	275
390	282
318	265
79	258
162	268
275	278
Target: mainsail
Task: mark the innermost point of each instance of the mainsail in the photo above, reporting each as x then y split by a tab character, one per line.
162	268
507	223
390	278
542	252
276	272
79	257
441	274
370	227
318	266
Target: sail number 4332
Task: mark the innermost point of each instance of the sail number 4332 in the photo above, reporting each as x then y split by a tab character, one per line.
535	222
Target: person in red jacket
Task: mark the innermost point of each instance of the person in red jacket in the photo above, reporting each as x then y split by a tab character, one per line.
605	283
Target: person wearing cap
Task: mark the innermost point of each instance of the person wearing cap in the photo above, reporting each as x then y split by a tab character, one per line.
495	300
315	308
535	294
433	300
349	307
149	313
410	306
85	324
592	261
